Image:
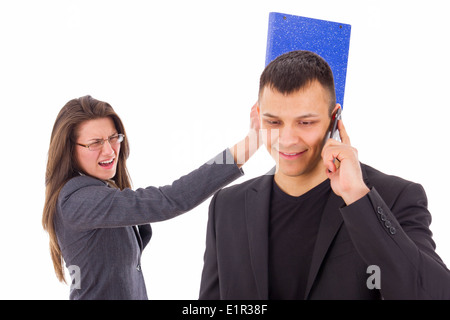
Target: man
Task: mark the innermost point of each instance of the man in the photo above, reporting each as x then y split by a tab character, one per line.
321	225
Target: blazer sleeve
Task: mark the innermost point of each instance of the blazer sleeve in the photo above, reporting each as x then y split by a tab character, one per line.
209	284
87	203
398	240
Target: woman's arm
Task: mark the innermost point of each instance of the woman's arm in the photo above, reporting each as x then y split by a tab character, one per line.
87	203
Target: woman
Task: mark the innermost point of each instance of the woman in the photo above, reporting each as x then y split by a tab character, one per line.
96	223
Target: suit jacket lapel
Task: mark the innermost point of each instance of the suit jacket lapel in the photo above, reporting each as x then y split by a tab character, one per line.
138	237
257	206
257	200
329	225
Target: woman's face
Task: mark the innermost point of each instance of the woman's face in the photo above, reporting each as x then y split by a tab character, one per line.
101	163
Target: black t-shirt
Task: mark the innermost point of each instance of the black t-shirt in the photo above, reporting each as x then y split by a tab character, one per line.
294	223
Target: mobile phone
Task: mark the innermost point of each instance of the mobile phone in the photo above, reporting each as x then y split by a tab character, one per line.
333	131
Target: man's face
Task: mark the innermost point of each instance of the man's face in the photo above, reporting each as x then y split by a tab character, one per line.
296	125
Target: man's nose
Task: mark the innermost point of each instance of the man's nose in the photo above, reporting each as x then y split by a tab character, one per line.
288	136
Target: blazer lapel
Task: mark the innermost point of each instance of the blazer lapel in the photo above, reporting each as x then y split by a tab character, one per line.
329	225
138	237
257	204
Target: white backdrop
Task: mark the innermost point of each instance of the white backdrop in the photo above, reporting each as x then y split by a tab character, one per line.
183	75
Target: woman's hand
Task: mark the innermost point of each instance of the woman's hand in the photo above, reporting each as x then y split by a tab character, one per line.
244	149
255	124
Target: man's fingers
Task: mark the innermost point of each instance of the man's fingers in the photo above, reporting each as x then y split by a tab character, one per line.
343	133
330	156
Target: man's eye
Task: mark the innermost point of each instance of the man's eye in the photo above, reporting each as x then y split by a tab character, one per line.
306	123
272	123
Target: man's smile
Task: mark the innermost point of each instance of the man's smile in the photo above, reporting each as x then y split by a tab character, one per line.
291	155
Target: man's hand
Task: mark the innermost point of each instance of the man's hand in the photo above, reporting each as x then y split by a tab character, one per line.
343	168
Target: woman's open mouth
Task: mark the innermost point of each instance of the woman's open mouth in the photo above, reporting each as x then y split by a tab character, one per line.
107	164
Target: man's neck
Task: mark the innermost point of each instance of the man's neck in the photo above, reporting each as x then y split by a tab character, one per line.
298	185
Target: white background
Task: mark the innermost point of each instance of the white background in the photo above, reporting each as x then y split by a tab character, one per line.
183	75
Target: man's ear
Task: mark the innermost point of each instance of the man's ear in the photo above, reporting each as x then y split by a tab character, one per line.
336	107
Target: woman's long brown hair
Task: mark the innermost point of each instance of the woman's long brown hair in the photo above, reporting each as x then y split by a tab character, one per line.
61	164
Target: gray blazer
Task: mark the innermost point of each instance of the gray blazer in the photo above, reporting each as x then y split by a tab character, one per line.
102	231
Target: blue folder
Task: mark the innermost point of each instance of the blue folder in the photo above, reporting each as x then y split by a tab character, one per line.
330	40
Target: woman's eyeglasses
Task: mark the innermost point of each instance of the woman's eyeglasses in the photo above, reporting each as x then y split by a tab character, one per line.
98	144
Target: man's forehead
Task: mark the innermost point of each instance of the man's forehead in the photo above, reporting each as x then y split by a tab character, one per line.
300	104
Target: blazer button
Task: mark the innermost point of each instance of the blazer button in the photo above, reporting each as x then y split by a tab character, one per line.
383	217
138	267
380	210
388	224
392	230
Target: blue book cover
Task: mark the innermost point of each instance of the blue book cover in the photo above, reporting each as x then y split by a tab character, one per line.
330	40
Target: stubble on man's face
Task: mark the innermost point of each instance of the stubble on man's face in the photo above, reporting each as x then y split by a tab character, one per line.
295	126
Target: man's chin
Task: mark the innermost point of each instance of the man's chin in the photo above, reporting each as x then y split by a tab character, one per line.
294	171
290	172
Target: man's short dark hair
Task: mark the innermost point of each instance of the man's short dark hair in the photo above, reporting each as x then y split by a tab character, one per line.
295	70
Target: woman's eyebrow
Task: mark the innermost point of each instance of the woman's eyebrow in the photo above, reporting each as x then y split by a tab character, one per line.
98	139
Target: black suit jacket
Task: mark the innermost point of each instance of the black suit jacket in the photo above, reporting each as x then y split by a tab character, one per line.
388	228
